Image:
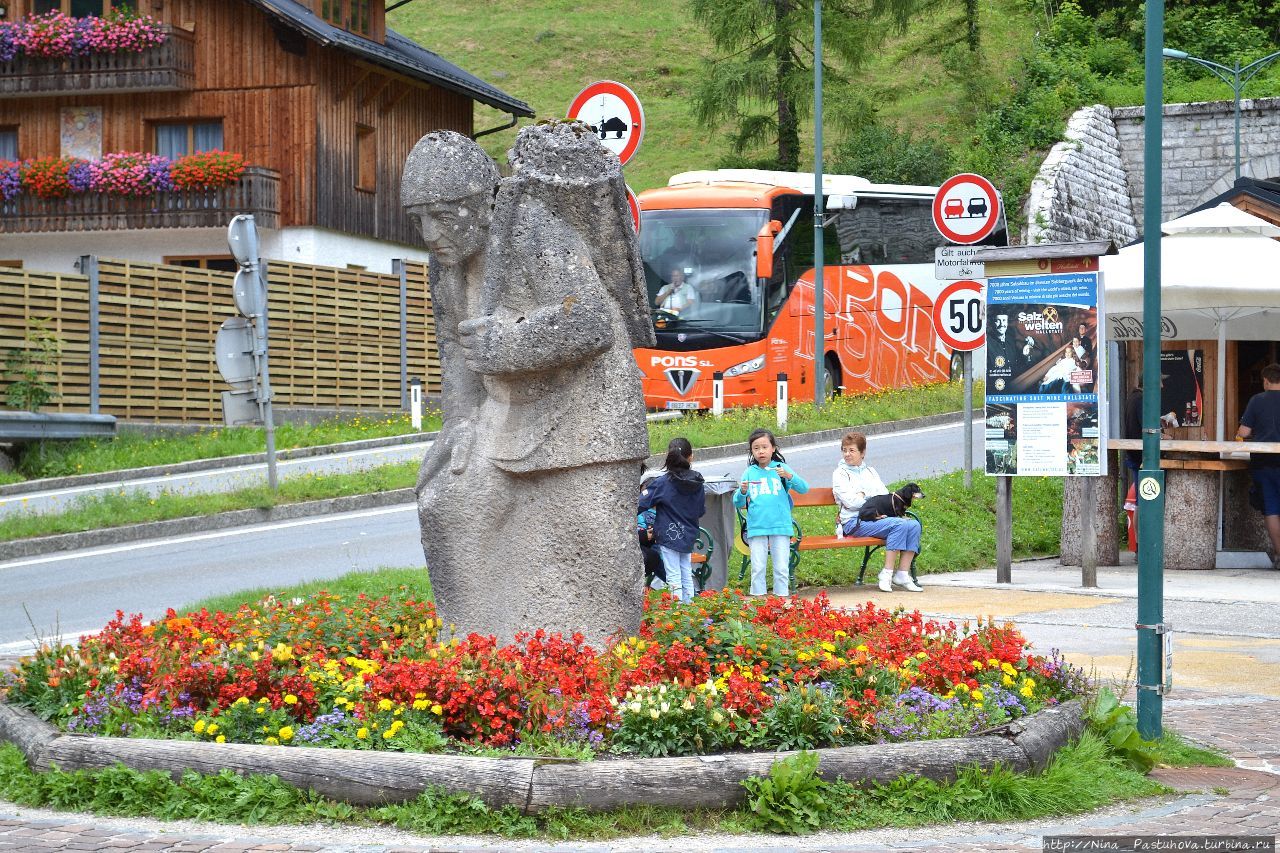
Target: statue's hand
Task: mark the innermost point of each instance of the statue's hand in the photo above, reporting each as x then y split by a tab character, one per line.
432	463
460	447
476	337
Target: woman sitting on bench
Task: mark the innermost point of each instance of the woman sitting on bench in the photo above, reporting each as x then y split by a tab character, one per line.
852	483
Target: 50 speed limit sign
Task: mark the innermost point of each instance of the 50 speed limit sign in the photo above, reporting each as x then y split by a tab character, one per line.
959	315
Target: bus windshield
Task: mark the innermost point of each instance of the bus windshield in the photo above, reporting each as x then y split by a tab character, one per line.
699	266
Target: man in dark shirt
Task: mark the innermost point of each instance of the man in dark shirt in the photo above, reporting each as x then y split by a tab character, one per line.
1261	422
1133	427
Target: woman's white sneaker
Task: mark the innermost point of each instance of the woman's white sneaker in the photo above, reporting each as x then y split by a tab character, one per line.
886	581
906	582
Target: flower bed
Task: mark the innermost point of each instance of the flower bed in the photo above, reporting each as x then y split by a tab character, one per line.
723	672
55	35
124	173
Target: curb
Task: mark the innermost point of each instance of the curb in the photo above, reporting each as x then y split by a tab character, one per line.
124	476
39	545
365	778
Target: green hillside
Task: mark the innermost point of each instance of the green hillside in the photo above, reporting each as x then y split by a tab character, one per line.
997	113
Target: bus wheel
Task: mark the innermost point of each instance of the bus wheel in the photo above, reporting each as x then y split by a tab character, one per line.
831	377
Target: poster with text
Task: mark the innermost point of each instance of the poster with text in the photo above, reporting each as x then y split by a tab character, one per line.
1044	376
1182	391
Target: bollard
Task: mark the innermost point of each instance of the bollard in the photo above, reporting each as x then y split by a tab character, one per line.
415	404
782	402
717	393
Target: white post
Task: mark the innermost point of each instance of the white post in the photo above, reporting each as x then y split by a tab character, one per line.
415	404
717	393
782	402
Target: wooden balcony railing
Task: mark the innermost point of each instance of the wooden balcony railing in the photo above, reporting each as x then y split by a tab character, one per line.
167	67
258	192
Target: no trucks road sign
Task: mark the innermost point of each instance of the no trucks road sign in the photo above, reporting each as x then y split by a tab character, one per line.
966	209
614	113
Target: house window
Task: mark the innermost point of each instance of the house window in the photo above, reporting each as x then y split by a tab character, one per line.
176	140
353	15
224	263
8	143
74	8
366	158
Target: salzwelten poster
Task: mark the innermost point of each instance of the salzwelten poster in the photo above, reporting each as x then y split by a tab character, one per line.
1044	390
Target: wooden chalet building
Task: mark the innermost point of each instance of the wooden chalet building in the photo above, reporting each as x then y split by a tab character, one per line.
323	101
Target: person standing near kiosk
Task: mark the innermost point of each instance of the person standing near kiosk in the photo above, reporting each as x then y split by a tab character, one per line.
1261	422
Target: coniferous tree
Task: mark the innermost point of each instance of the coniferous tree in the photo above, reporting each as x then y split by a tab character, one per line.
762	79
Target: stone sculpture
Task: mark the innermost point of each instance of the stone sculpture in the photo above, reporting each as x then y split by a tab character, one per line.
556	426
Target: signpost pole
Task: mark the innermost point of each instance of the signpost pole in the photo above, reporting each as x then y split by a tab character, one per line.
1151	492
264	398
966	367
1004	529
819	295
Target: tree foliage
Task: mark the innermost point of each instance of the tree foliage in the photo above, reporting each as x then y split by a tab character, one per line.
762	79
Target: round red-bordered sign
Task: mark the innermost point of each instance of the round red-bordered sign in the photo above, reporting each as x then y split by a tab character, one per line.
966	209
959	315
634	204
613	111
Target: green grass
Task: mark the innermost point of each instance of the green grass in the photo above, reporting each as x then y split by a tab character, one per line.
131	449
853	411
1082	777
373	584
135	507
1173	750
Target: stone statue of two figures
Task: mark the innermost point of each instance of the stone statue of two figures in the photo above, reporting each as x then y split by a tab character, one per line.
527	498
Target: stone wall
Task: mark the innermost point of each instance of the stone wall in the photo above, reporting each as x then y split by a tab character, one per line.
1076	195
1081	192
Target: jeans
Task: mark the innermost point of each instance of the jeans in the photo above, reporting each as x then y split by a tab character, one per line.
1268	480
780	547
679	573
899	534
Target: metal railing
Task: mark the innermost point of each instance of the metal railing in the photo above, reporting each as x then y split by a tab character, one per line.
257	192
167	67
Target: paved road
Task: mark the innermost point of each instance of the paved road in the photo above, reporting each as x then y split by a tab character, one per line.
74	592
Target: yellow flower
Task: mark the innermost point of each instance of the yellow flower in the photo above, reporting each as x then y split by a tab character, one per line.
976	695
212	728
220	739
420	704
254	656
271	742
260	709
384	704
1027	692
992	662
362	733
282	652
436	709
921	655
976	664
831	647
243	700
286	733
389	733
717	717
290	699
198	728
1007	669
653	713
1007	681
862	647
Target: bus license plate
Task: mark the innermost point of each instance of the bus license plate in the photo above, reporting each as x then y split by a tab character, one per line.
682	404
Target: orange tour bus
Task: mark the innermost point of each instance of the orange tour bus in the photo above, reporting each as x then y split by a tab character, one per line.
728	259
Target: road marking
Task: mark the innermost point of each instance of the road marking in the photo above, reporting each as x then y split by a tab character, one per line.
201	537
26	647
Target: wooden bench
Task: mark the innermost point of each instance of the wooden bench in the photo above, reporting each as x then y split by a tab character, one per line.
869	544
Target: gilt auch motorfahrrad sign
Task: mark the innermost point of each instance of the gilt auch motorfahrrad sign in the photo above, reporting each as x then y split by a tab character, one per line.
614	114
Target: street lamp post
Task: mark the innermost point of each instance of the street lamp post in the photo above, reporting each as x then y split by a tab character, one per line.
1236	77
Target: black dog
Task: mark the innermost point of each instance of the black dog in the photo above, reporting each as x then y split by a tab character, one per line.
894	504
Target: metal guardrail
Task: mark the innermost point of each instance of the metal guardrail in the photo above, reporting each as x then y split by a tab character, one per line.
34	426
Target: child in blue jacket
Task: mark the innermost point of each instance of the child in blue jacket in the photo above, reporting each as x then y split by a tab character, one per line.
680	500
765	491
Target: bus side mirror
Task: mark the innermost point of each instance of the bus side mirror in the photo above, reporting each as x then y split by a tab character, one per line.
764	248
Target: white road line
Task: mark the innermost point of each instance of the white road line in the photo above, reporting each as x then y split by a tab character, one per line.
210	472
200	537
26	647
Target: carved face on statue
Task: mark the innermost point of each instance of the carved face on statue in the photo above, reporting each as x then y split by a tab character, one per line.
447	190
456	230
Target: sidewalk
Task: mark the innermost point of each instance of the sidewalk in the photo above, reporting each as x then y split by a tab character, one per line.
1226	695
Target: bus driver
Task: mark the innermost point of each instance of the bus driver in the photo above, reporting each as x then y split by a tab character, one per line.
678	296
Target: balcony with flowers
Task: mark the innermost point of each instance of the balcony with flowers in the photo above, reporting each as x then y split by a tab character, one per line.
126	190
55	54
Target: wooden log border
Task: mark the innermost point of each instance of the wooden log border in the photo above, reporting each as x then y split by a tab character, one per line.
708	781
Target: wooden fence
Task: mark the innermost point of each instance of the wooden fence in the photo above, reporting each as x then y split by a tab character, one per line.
335	336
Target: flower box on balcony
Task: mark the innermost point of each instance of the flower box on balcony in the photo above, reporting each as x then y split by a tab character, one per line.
257	192
166	67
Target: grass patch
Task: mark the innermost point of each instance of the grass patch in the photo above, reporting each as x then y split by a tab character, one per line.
1173	750
94	512
131	449
959	529
374	584
855	410
1082	777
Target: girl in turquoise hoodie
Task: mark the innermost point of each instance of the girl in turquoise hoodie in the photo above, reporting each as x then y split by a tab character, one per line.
765	490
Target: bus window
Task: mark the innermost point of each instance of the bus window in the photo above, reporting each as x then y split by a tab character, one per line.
884	230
